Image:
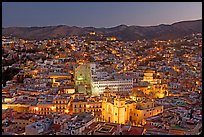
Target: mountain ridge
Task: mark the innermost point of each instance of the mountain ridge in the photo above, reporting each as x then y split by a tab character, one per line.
121	32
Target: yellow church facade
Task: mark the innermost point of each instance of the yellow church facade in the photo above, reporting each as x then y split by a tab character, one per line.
125	111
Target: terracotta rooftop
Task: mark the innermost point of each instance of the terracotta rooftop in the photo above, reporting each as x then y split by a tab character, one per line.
134	131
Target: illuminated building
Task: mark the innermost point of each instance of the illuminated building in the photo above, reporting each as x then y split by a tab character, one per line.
82	77
92	33
94	105
60	104
148	77
17	107
55	76
155	90
7	99
153	87
65	104
78	105
111	39
67	90
98	87
42	108
23	119
94	77
117	109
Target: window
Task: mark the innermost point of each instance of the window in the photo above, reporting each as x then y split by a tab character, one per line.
115	113
130	118
75	106
144	114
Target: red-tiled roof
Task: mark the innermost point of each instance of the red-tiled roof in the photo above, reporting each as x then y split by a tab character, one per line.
56	127
133	131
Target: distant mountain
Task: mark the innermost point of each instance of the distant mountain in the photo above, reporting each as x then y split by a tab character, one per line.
122	32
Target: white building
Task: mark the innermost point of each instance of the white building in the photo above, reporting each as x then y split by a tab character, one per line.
98	87
98	78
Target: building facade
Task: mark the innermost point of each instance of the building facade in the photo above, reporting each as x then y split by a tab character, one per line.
82	77
98	87
94	79
123	111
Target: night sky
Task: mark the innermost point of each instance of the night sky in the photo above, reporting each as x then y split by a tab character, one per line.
98	14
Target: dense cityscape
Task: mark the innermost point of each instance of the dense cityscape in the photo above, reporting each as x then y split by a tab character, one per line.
98	83
72	86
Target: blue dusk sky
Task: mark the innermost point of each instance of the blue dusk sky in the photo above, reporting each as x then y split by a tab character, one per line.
98	14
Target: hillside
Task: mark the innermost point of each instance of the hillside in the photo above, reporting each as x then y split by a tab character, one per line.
122	32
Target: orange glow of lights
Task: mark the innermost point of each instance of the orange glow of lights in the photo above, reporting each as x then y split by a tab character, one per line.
67	111
36	108
36	71
52	107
